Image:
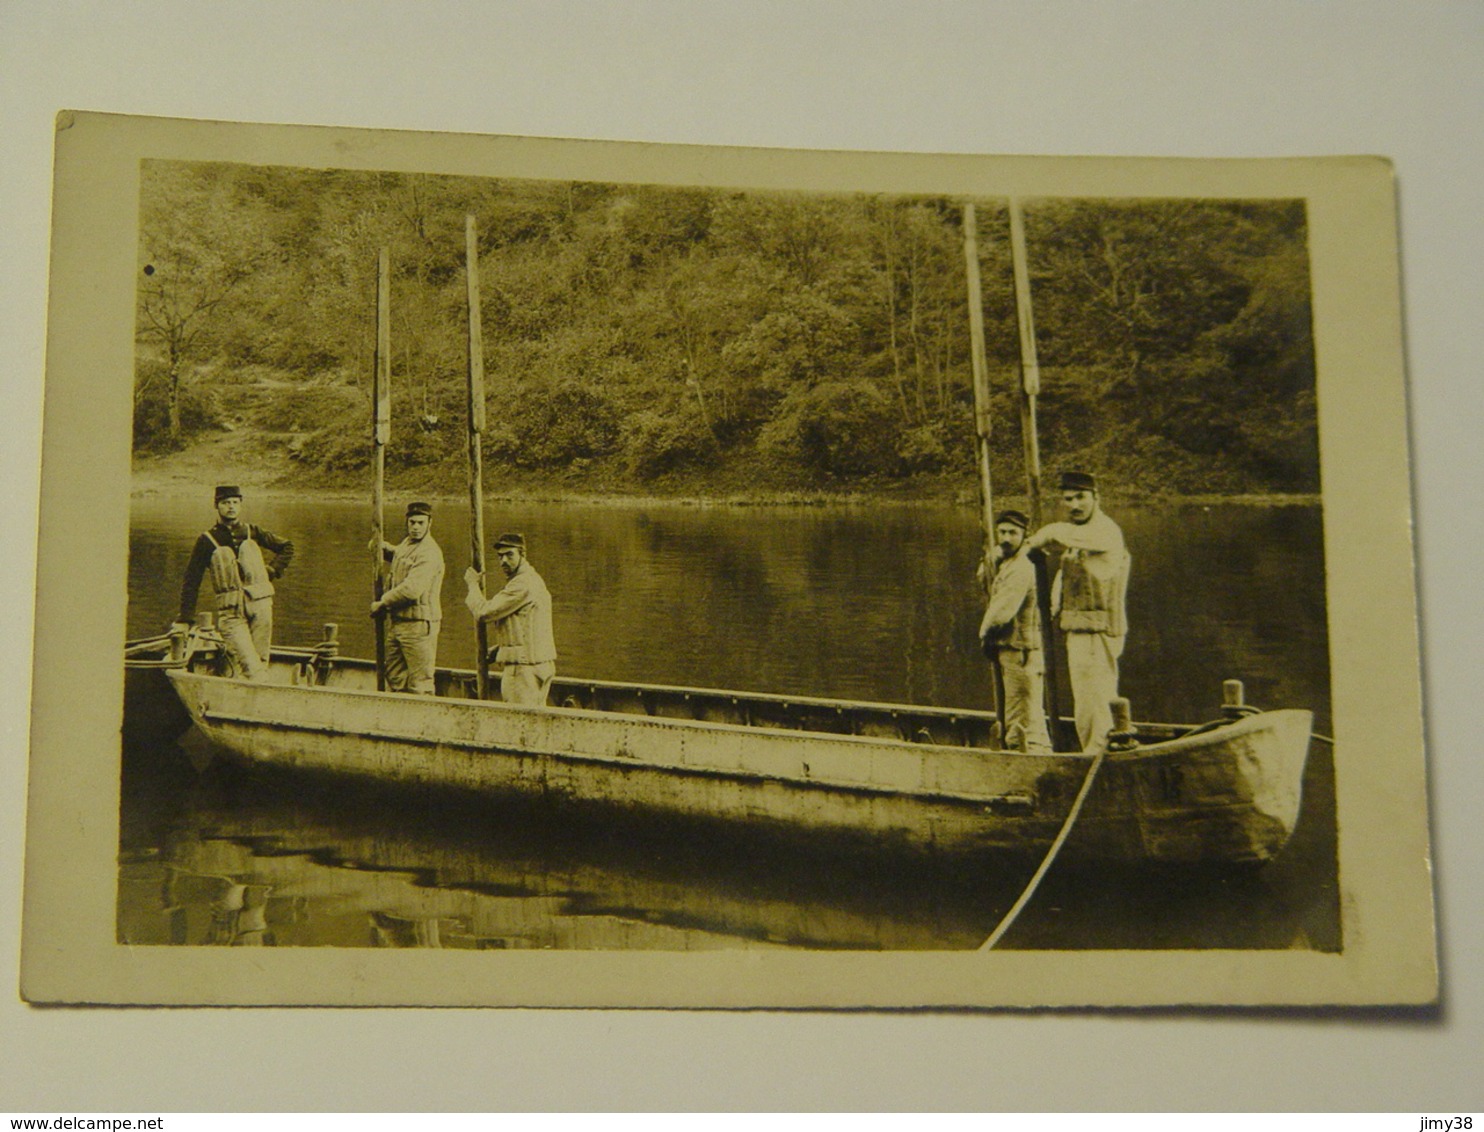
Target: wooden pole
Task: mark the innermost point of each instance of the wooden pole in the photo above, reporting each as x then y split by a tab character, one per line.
1030	369
476	431
981	378
1030	388
981	422
381	430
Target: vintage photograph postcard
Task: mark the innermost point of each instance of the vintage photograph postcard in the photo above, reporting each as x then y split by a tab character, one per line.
500	571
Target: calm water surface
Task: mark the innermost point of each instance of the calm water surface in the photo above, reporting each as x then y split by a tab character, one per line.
873	603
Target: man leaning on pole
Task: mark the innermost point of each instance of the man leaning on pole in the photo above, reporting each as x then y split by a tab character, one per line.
1011	635
413	604
520	616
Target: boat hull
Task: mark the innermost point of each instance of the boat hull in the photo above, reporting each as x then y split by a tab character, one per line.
153	714
1229	795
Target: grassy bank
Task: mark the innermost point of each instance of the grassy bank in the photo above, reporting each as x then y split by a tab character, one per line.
260	464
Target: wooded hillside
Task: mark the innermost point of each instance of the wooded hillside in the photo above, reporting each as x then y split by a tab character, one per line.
660	339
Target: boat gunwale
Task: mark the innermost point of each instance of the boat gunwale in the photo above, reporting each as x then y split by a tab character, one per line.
600	716
951	714
1172	746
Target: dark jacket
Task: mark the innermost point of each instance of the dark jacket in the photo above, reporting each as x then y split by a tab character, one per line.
234	535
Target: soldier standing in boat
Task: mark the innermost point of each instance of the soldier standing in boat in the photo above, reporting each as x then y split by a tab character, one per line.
1011	633
242	583
1088	600
413	602
520	616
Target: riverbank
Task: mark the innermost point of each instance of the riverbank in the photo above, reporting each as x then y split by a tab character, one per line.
261	465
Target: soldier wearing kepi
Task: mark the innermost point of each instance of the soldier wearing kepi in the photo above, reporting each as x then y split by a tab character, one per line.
520	617
242	583
1012	629
1088	599
413	602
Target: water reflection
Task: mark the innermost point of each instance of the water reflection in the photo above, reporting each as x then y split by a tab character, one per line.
432	870
267	857
867	603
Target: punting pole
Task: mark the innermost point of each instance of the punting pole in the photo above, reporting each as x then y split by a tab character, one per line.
476	431
1030	369
1030	388
381	431
981	423
981	375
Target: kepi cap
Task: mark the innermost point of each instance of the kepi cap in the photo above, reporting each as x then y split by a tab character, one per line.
1018	518
228	491
1078	481
419	509
511	540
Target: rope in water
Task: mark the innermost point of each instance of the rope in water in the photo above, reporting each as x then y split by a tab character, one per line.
1061	837
1066	828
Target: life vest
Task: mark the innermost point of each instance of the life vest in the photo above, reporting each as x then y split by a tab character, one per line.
1092	601
238	574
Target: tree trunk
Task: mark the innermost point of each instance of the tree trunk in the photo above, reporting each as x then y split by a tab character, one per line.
693	379
914	335
172	398
891	323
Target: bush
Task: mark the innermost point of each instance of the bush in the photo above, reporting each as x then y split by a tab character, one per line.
655	443
296	409
922	450
199	411
337	448
571	422
414	445
843	428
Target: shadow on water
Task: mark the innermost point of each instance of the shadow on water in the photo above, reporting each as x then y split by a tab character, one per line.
865	603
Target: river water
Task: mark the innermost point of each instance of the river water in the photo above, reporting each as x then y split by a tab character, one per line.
860	602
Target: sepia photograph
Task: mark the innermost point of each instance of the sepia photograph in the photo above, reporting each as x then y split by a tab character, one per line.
807	534
781	831
838	561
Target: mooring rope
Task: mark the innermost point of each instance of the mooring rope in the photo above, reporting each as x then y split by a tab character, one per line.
134	648
1066	828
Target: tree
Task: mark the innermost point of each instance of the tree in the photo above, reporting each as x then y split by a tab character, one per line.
638	330
197	246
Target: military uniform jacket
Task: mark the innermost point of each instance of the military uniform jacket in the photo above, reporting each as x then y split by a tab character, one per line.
1012	619
519	617
416	581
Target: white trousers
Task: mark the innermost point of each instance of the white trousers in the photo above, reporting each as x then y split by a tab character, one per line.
1024	674
1092	664
248	637
412	656
526	683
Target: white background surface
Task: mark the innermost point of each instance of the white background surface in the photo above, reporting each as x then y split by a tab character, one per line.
1162	78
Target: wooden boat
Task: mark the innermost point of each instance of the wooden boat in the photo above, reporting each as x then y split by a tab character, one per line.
923	778
918	778
153	713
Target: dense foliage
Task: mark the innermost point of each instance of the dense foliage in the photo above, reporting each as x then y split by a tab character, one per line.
639	335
